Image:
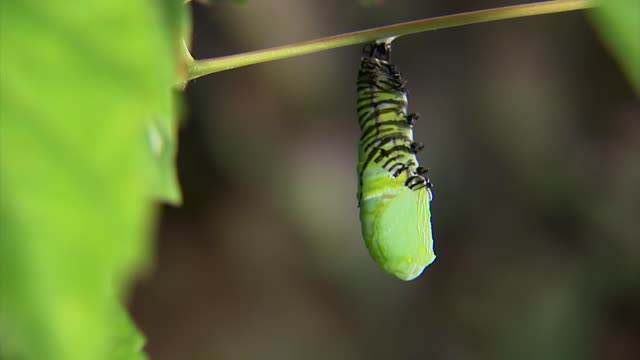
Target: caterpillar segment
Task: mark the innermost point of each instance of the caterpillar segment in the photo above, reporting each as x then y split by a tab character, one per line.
394	192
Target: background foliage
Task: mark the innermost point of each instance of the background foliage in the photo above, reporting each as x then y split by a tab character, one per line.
532	136
619	23
86	144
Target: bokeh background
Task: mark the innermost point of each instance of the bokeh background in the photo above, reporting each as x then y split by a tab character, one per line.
532	136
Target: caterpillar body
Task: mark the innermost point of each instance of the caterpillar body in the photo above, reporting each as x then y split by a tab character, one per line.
394	193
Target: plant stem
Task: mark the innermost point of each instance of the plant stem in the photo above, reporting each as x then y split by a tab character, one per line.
203	67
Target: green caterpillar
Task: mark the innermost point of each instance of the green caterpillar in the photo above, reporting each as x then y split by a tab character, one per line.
394	193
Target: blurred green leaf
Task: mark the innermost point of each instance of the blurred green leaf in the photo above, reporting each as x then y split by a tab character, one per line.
162	127
618	22
162	133
82	84
128	342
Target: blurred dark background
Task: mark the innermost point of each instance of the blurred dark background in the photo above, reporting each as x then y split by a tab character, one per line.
532	136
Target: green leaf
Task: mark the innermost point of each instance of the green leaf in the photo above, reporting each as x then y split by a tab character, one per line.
618	22
162	127
162	133
81	84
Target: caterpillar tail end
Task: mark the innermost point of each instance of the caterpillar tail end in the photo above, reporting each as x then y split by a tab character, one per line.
386	40
379	49
411	271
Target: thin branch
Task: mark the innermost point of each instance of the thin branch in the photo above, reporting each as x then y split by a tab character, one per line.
203	67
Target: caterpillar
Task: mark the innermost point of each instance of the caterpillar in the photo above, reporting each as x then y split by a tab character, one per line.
394	192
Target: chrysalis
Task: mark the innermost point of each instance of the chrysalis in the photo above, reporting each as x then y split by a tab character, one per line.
394	193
